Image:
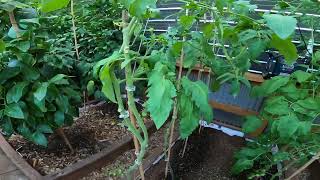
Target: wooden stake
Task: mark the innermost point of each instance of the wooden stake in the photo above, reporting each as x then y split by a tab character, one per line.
74	30
61	133
14	24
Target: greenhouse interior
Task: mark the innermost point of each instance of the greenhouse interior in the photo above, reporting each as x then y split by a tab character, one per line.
159	89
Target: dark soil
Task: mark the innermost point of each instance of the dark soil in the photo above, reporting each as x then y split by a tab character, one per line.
97	128
117	169
208	156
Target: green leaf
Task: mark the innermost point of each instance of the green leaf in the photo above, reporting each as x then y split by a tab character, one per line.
186	21
285	47
107	61
40	139
160	95
53	5
252	123
14	111
24	46
283	26
255	48
241	165
142	8
189	116
40	104
198	91
277	105
301	76
304	128
310	103
2	46
8	73
291	91
288	125
270	86
107	84
44	128
41	92
247	35
208	30
59	79
15	93
59	118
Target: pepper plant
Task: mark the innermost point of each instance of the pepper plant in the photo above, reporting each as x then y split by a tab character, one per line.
36	98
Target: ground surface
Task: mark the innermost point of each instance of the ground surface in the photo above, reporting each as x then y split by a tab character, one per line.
208	156
97	129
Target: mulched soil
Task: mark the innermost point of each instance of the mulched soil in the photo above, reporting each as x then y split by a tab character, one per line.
96	129
117	169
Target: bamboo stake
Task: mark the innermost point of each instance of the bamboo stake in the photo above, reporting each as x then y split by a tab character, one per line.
314	158
74	31
175	111
61	133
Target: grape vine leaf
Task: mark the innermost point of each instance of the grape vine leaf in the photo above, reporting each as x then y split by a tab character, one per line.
160	95
283	26
15	93
53	5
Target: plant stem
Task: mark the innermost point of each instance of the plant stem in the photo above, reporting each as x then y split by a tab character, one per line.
61	133
175	110
133	112
14	23
74	31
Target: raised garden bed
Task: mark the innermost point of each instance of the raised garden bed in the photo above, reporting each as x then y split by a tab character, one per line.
97	137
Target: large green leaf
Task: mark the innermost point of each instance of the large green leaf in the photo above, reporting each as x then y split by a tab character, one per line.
186	21
310	103
41	92
301	76
14	111
44	128
252	123
8	73
287	126
107	84
189	116
283	26
198	91
39	138
270	86
241	165
15	93
160	95
59	79
107	61
277	106
53	5
23	46
285	47
142	8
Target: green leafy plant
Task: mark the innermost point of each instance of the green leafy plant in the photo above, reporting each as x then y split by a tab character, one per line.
35	100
